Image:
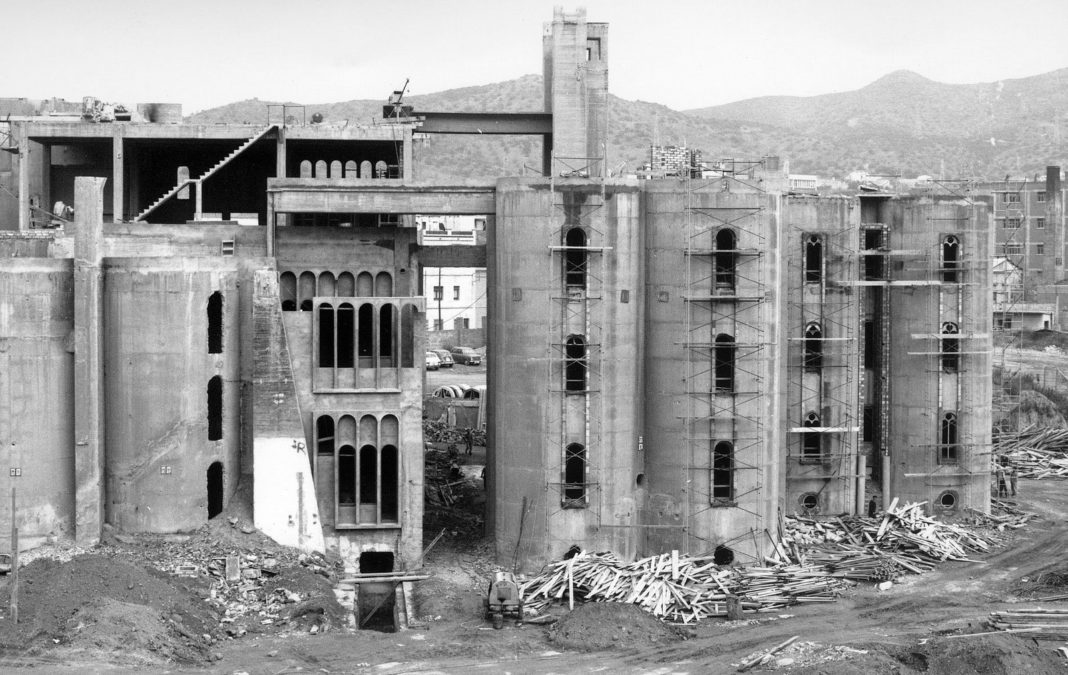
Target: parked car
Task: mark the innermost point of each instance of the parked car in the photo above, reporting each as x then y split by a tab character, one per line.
445	356
466	355
432	361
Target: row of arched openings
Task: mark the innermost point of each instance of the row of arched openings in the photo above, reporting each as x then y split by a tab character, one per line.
349	169
297	291
365	462
367	335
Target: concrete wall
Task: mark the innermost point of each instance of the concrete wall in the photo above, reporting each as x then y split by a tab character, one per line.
157	446
531	424
36	397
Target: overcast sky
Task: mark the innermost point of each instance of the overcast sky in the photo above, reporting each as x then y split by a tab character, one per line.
684	54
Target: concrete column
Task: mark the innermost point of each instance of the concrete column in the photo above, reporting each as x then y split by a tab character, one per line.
408	171
117	201
280	154
88	360
24	184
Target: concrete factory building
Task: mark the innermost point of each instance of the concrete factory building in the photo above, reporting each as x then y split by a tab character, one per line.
672	363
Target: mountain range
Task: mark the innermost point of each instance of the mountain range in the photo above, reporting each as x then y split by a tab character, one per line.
901	124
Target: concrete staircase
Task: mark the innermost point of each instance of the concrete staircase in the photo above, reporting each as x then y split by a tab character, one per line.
199	180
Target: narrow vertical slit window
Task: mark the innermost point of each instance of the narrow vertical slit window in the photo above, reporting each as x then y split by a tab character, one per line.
575	476
723	473
385	336
346	477
215	409
812	441
407	340
725	261
324	435
813	352
949	448
950	351
874	263
326	336
869	343
365	328
215	323
368	482
575	363
723	354
813	259
951	259
346	332
576	257
389	484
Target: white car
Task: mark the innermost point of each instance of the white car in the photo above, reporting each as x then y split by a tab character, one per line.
432	361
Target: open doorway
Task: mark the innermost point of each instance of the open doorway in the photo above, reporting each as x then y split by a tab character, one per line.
215	489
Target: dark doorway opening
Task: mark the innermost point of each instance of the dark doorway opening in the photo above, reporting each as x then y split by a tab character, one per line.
215	489
376	562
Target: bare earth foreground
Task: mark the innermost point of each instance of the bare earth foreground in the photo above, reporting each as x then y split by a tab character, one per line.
119	616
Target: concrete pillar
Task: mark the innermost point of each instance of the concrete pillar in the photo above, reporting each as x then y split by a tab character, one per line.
24	184
1054	218
408	170
88	360
117	201
280	154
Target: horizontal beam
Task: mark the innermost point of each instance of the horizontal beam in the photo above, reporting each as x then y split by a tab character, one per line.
486	123
324	195
452	256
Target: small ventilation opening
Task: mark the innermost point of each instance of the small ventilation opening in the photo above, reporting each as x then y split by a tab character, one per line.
948	500
640	481
723	555
810	501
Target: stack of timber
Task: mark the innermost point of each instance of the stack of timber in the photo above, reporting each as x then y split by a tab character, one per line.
1036	451
1043	624
904	540
677	587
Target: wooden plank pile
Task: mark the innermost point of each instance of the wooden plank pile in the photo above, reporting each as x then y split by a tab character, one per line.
1037	451
1043	624
903	540
677	587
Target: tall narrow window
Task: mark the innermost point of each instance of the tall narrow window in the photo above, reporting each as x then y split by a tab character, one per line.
869	343
306	291
326	336
813	352
215	489
368	476
575	365
385	336
723	473
346	332
811	441
287	290
324	435
874	263
813	259
215	323
950	351
576	257
389	484
867	427
575	476
725	260
407	335
365	335
723	354
346	476
951	259
215	409
948	451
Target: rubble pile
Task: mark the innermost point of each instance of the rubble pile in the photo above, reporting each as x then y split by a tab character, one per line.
904	540
676	587
1037	451
441	432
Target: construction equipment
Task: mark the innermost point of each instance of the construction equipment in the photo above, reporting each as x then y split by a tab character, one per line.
504	599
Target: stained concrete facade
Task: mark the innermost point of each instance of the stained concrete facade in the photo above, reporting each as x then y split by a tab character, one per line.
672	364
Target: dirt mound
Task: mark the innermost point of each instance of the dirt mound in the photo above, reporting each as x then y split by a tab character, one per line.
1035	408
134	634
610	625
66	602
987	655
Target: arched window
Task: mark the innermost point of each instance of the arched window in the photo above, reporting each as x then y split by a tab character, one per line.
575	363
950	351
381	169
365	169
725	260
305	169
813	352
575	476
215	489
306	291
287	291
384	285
365	335
215	323
576	257
326	336
365	285
950	259
327	286
723	472
215	409
385	336
811	441
948	450
813	259
346	334
346	285
321	169
335	169
352	170
723	362
368	475
324	435
346	476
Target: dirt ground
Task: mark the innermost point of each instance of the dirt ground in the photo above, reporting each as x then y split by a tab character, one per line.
108	613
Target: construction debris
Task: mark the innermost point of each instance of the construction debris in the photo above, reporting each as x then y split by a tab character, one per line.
676	587
1038	452
1045	624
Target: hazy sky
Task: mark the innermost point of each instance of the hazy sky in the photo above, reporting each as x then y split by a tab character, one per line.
684	54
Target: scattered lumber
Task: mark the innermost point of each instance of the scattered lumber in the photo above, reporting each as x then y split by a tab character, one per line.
1046	624
1038	452
764	657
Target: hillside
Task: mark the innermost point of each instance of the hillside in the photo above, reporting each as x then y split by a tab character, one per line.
902	123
